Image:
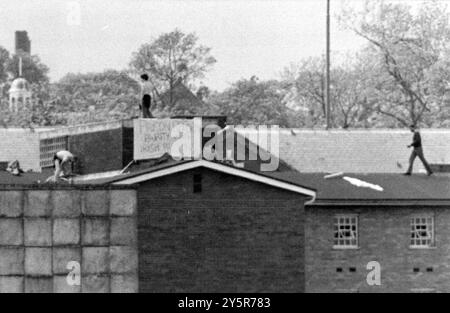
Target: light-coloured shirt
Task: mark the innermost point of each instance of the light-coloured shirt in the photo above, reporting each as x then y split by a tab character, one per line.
64	155
146	88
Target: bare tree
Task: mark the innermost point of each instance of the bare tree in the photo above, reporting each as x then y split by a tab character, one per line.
409	48
349	83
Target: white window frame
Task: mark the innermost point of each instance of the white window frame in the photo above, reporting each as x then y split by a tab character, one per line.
426	220
345	220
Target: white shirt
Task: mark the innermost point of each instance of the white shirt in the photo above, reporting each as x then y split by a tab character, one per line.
64	155
146	88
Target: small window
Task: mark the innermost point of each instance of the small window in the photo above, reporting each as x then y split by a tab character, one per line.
197	183
422	231
345	231
352	269
339	269
416	270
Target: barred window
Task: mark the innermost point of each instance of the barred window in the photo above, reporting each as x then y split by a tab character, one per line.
48	148
422	231
346	231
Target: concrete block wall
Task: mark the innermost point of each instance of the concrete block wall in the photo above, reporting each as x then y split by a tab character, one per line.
21	145
42	230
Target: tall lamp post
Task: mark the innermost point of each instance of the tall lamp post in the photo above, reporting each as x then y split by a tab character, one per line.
327	79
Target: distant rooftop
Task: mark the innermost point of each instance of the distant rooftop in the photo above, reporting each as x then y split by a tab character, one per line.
359	150
348	187
345	188
65	130
394	187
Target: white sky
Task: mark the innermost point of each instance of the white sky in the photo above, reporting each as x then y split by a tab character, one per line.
247	37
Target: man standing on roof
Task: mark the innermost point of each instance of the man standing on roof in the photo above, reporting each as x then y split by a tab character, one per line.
60	159
417	152
146	90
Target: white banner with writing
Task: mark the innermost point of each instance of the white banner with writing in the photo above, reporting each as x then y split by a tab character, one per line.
154	137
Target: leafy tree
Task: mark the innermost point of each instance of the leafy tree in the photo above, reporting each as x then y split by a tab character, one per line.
253	102
39	114
4	60
203	93
97	96
410	50
170	57
33	70
36	73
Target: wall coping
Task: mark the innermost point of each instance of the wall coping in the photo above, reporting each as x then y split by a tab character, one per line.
20	187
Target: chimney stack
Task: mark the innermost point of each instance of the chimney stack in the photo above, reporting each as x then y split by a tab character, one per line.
23	43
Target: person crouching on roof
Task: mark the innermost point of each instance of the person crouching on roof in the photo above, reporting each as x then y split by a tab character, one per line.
60	159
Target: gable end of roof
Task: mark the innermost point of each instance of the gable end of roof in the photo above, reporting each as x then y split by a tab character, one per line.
257	177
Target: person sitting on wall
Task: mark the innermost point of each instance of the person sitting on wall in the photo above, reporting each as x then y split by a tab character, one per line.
14	168
146	90
60	160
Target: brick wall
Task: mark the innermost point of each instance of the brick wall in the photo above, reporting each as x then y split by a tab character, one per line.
41	230
234	236
384	236
127	145
22	146
97	152
102	151
100	146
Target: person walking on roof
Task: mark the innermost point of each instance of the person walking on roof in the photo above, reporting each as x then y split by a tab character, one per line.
146	90
417	152
60	159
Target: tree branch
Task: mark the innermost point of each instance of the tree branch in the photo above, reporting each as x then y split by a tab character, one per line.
393	116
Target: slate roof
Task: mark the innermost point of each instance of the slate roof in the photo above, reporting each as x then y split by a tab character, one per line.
359	151
419	187
399	189
138	170
133	171
181	96
26	178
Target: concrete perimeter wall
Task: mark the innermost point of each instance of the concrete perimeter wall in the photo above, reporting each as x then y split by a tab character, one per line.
42	229
20	145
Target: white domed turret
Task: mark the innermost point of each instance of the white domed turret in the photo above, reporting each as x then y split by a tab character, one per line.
19	94
19	84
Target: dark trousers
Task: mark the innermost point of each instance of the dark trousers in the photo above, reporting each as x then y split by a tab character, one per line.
418	152
146	103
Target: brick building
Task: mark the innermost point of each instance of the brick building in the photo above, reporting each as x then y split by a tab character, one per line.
208	227
401	204
227	227
99	147
400	222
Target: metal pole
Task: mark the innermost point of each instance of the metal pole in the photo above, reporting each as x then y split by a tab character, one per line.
20	66
327	82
